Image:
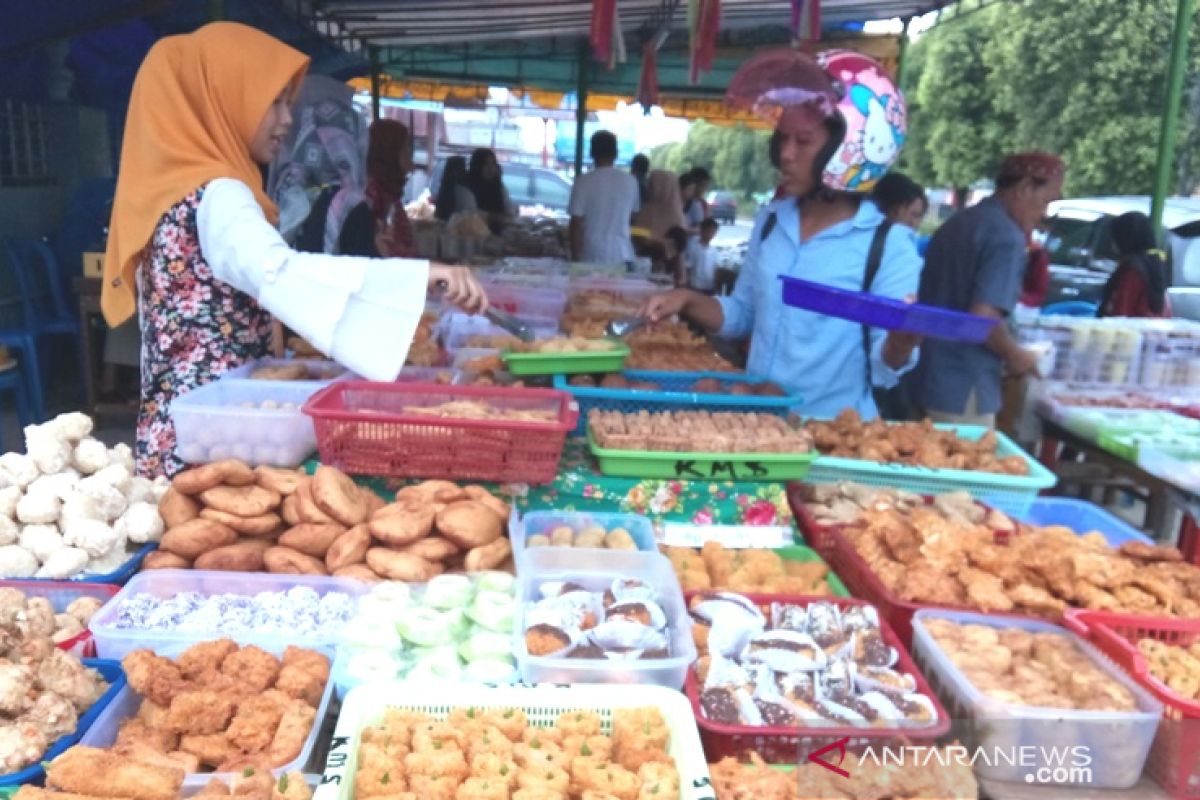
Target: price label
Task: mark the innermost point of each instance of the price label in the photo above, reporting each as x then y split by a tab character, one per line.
737	537
688	469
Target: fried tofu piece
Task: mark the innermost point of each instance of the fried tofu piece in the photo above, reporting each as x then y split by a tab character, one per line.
212	749
310	661
152	676
136	731
296	681
253	666
255	722
293	730
199	712
87	770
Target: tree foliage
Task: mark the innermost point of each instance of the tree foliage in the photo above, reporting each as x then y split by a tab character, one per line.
1083	79
736	157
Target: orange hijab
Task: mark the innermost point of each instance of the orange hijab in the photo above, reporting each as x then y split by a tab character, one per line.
197	101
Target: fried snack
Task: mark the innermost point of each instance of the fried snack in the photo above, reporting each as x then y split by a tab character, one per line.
243	556
338	496
306	507
432	548
490	556
242	501
196	537
763	571
469	524
252	666
253	726
283	481
212	750
28	792
199	712
291	734
348	548
229	472
262	525
400	566
696	431
162	559
311	539
87	770
176	508
153	677
400	525
285	560
358	572
204	656
482	495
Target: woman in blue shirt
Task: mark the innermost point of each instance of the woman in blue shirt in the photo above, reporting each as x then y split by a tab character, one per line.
821	230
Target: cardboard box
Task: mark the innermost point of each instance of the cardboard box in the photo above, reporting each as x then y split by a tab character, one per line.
93	265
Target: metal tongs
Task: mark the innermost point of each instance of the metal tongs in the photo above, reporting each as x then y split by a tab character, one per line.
623	326
508	322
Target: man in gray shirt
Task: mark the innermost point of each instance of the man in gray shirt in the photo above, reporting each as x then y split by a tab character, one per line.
976	263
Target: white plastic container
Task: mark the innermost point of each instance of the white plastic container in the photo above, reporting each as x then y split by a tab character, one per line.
366	704
595	570
640	528
1115	744
259	422
125	705
116	643
321	372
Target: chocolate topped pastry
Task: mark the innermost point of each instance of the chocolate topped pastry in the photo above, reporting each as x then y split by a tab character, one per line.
776	715
585	649
720	706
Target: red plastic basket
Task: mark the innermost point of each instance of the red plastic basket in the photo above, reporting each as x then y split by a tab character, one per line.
1174	760
813	532
366	428
790	745
61	594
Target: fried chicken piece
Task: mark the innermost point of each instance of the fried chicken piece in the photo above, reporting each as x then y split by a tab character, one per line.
87	770
212	749
152	676
309	660
63	674
256	720
252	666
985	591
214	788
199	712
296	681
204	656
254	781
293	730
154	715
922	583
32	652
136	731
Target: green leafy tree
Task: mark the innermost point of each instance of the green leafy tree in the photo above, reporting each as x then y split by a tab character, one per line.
736	156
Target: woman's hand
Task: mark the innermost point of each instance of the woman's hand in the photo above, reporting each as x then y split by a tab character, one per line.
666	305
458	285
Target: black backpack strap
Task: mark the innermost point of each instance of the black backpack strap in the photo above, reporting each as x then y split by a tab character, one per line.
874	261
767	227
312	232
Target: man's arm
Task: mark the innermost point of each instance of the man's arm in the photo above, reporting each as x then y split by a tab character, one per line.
1019	360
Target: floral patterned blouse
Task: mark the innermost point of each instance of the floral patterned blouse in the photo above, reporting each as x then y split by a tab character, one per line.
194	329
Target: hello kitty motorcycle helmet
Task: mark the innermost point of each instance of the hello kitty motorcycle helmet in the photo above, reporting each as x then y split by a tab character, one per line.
864	110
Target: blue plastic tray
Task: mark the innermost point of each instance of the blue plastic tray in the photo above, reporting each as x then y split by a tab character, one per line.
1082	517
884	312
117	577
675	395
111	671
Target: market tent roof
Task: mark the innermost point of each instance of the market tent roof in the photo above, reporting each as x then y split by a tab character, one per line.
422	22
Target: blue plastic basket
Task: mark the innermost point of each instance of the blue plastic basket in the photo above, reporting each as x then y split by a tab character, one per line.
111	671
675	395
885	312
1082	517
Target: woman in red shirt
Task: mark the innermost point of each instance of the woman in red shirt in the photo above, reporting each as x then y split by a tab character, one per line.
1138	286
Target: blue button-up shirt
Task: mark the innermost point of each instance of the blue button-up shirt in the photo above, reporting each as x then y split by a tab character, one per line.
819	357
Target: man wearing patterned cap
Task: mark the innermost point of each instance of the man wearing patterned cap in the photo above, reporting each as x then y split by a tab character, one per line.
975	263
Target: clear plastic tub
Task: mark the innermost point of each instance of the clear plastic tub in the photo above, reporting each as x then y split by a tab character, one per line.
103	732
1116	743
321	372
542	705
114	642
460	328
443	375
543	522
595	570
524	301
227	419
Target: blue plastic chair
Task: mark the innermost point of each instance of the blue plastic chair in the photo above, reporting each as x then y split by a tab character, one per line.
1070	308
45	310
11	380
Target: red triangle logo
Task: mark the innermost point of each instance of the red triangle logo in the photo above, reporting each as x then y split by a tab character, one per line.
840	747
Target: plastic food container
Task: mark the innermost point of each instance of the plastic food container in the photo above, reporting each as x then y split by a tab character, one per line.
522	301
596	570
213	422
61	594
111	671
1174	760
785	744
365	705
458	328
366	429
1117	743
126	704
702	466
543	522
1012	494
448	375
884	312
114	642
567	363
674	394
321	372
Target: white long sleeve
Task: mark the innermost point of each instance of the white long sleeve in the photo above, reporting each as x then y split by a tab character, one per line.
362	312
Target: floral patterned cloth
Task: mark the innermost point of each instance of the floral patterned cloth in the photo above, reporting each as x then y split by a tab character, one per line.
194	328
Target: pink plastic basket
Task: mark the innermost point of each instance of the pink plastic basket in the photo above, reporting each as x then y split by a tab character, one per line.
368	428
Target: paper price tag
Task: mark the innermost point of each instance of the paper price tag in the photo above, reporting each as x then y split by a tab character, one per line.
738	537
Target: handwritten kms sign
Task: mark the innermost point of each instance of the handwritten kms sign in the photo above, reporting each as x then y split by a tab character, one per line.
720	470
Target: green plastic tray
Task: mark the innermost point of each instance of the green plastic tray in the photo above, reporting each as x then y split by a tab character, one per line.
799	552
567	363
702	466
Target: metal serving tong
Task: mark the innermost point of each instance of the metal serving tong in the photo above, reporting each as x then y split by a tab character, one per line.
508	322
623	326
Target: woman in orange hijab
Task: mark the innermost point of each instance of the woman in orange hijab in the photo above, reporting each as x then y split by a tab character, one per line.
192	246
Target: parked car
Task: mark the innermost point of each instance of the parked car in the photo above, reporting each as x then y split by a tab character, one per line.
1082	255
526	185
722	206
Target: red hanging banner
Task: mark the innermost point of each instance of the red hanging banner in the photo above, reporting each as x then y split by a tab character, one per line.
706	26
647	91
604	14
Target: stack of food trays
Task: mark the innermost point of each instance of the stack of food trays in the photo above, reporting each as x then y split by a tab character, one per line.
1074	701
780	673
991	543
460	432
1162	657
